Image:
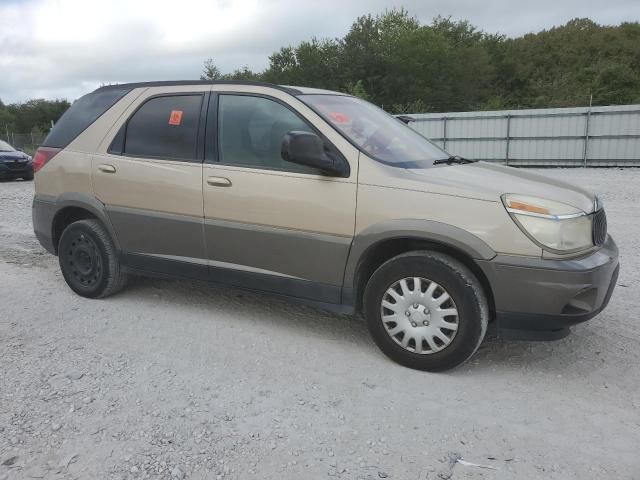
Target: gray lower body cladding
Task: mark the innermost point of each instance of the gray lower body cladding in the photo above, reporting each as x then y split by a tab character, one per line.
540	298
42	214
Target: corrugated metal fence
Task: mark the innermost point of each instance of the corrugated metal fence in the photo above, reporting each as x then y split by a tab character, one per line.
596	136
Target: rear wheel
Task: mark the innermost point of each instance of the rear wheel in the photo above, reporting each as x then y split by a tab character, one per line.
425	310
89	260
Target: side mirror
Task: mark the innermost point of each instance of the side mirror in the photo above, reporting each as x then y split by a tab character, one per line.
406	119
306	148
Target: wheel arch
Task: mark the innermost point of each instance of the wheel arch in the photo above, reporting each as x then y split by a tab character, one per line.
78	207
374	247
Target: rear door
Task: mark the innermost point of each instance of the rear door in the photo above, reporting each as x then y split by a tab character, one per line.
270	224
149	176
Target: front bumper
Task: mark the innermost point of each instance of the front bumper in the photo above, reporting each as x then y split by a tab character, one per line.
539	298
16	170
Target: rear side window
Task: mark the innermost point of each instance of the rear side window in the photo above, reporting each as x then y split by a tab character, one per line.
165	127
81	114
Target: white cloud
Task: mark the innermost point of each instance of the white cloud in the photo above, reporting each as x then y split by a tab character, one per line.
63	48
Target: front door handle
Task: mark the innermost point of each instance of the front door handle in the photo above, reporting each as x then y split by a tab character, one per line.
107	168
219	181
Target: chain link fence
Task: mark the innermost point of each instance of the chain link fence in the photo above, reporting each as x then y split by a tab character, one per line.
27	142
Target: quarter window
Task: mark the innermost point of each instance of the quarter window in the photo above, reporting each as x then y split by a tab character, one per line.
165	127
251	129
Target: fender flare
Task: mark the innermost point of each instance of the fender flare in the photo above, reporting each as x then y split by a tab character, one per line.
415	229
89	203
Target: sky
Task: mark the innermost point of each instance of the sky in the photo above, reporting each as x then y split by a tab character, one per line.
65	48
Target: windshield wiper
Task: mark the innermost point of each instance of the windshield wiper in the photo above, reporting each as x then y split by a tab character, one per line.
453	159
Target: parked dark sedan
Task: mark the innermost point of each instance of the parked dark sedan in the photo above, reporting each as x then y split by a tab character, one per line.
14	163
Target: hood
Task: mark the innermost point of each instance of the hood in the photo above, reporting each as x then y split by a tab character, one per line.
487	181
13	156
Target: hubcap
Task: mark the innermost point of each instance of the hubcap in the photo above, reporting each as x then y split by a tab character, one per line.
83	260
419	315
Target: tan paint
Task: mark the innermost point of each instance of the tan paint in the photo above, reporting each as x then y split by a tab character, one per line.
68	171
165	186
297	201
467	197
387	193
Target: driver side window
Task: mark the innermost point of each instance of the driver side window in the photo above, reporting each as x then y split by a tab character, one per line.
250	132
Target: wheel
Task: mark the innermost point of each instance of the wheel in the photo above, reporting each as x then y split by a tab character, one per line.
425	310
28	177
89	260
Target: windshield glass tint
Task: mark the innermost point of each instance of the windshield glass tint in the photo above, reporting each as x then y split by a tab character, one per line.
374	131
5	147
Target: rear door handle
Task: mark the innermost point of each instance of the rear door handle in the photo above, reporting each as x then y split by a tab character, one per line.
107	168
219	181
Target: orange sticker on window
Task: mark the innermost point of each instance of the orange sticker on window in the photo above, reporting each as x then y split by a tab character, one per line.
176	117
339	117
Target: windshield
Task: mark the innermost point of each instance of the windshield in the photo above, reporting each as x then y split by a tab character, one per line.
5	147
375	132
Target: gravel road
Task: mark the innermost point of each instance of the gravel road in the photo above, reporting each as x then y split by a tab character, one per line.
176	380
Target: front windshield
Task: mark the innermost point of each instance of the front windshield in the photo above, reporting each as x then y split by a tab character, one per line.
375	132
5	147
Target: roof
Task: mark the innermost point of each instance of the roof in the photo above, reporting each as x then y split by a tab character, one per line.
168	83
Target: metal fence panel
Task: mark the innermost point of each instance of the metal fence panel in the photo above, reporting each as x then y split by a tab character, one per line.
584	136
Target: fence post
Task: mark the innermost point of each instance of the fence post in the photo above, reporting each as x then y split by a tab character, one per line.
508	138
444	133
586	138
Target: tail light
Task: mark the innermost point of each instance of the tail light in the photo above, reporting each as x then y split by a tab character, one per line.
42	156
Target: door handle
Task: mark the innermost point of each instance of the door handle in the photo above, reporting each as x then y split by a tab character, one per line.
107	168
219	181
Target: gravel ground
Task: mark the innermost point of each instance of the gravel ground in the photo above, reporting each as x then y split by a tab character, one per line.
177	380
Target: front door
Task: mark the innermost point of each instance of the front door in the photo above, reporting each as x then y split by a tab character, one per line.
270	224
150	180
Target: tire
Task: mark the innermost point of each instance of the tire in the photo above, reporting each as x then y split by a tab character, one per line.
419	318
28	178
89	260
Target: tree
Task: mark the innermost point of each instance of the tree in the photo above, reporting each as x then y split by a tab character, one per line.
211	71
395	61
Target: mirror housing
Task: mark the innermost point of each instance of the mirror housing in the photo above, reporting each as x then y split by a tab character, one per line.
306	148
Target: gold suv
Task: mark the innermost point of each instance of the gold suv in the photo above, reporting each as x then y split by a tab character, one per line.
324	198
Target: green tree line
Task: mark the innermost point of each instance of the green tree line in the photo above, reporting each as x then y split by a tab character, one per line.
396	62
33	116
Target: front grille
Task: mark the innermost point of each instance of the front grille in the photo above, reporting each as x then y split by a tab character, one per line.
15	165
599	232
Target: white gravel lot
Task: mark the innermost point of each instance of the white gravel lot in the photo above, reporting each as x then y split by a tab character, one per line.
182	380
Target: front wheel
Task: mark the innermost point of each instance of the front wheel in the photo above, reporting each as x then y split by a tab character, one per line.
89	260
425	310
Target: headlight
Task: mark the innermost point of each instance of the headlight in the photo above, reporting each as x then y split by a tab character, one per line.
554	226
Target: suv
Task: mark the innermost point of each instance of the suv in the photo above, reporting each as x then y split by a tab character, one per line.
321	197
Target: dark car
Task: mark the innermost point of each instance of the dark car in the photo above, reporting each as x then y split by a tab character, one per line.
14	163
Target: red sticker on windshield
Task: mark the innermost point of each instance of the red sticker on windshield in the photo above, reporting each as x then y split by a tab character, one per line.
339	117
176	117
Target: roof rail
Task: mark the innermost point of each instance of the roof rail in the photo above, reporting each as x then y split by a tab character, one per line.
172	83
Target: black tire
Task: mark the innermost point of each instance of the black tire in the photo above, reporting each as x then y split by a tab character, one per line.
28	177
463	287
89	260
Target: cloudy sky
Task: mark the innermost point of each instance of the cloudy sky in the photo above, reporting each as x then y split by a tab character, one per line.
64	48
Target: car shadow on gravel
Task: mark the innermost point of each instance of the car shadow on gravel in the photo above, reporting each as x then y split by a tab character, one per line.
251	307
